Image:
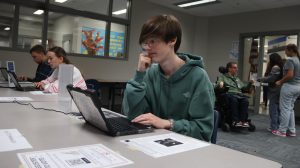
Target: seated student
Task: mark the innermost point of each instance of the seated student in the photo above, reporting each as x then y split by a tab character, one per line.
170	90
56	56
43	70
238	103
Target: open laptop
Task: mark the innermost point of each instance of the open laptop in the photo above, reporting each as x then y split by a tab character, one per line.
24	87
4	75
114	124
4	72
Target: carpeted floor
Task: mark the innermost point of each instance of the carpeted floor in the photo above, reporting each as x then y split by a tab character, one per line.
264	144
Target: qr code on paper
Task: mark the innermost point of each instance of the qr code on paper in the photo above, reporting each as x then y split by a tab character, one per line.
76	162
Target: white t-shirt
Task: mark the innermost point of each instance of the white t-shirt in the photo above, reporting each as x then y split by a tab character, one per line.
51	83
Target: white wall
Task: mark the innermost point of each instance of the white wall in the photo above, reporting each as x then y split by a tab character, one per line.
30	29
61	26
23	62
223	30
201	38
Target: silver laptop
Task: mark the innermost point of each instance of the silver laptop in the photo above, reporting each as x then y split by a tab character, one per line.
24	87
4	73
89	105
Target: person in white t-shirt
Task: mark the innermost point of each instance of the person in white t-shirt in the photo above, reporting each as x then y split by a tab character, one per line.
57	56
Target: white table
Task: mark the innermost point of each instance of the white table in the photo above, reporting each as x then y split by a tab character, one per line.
50	130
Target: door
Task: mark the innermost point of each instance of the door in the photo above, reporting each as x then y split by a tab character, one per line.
250	64
255	50
272	44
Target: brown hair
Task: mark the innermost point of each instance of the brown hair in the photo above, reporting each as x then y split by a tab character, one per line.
275	59
166	27
38	49
293	48
60	52
229	65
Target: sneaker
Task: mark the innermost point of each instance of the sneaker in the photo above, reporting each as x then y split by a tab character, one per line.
245	125
270	129
237	124
291	134
278	133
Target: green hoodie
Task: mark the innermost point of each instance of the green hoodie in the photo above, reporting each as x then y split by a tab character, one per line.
187	97
236	86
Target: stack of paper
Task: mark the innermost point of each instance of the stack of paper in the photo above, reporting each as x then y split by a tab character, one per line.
166	144
90	156
12	139
12	99
42	93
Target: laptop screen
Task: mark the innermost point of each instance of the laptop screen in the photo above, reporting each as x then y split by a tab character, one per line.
13	78
88	109
4	73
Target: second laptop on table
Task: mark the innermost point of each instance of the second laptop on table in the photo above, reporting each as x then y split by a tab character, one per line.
21	87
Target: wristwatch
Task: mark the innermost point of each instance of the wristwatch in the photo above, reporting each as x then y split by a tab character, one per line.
171	124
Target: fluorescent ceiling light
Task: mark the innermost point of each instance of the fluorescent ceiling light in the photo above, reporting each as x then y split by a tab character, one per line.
60	1
38	12
7	28
119	12
193	3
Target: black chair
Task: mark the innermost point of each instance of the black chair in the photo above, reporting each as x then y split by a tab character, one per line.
94	85
222	106
223	70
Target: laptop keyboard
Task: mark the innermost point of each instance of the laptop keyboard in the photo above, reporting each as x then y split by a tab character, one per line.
123	124
120	123
29	88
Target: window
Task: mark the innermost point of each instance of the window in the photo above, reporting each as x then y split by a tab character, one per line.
95	6
76	34
30	27
120	9
6	22
117	41
90	28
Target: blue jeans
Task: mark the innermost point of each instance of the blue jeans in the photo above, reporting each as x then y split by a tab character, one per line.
274	109
288	95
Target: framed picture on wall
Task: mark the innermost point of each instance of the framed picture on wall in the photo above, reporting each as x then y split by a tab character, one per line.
92	41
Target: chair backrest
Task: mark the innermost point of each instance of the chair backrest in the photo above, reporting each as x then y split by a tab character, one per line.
223	70
215	130
94	85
